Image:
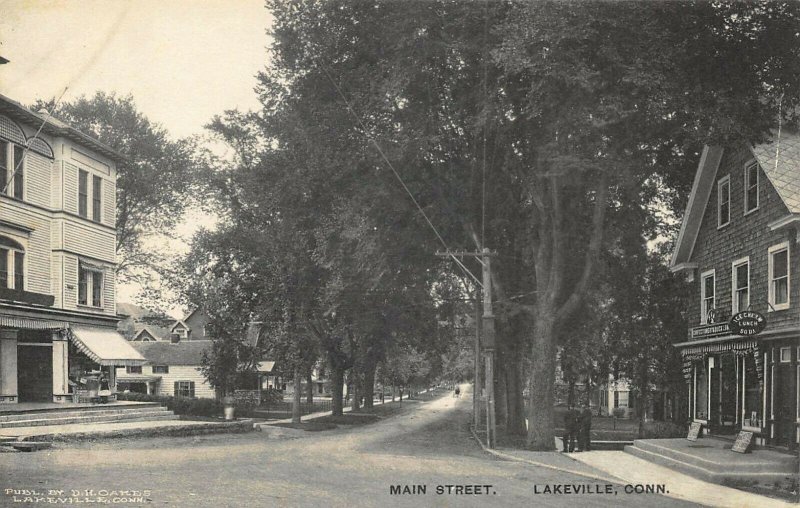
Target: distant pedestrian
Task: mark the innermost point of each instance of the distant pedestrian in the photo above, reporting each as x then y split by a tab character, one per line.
585	429
570	429
458	392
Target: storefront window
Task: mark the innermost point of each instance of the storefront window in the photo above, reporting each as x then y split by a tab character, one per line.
752	394
701	394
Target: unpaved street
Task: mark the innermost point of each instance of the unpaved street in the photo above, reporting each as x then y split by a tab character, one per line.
428	444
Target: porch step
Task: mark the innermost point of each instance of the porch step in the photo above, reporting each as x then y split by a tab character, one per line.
78	416
715	468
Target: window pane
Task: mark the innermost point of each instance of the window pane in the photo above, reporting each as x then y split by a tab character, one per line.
19	270
741	300
97	187
83	275
709	284
781	291
741	276
4	261
83	192
19	180
97	288
779	264
752	176
3	166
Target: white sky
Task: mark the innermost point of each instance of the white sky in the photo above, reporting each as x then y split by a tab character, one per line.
182	60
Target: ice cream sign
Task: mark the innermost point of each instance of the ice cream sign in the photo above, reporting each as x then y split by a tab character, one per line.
747	323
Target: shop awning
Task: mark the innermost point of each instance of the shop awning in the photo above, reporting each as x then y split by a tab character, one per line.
105	346
265	367
137	378
31	324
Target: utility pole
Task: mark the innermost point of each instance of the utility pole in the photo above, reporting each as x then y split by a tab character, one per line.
476	392
485	341
488	346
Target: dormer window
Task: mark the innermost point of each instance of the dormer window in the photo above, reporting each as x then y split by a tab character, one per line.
724	201
750	187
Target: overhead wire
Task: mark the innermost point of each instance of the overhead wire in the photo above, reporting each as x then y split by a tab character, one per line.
30	141
397	175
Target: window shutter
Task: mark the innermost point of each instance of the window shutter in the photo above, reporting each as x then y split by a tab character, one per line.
177	388
191	388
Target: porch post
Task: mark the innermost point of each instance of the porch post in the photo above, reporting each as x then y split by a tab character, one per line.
60	369
8	367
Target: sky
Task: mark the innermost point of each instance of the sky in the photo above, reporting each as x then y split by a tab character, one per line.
183	61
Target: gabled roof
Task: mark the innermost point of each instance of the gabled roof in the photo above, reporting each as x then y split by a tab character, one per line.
188	352
784	176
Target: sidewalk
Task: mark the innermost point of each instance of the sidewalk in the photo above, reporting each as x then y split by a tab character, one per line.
633	470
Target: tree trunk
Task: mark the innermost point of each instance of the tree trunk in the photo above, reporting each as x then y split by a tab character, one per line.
356	404
500	389
643	402
296	397
369	386
401	395
337	389
541	435
309	388
392	393
515	422
571	392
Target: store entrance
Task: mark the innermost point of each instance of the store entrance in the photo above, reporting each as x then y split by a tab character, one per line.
723	394
35	373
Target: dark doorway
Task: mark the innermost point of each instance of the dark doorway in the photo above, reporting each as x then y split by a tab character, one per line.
35	373
785	415
723	395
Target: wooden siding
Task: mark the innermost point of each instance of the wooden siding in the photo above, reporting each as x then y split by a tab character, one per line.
69	191
745	235
109	214
166	386
89	240
37	171
37	243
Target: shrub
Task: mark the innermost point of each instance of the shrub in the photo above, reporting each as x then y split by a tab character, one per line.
619	412
179	405
663	430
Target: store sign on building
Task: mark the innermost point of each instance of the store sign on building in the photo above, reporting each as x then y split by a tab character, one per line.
747	323
708	331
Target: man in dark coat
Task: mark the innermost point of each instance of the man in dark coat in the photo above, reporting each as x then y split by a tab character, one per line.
585	429
570	428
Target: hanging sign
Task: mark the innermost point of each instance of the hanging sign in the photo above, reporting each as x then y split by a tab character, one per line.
747	323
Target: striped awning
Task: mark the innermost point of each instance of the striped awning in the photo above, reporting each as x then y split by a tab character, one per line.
105	346
31	324
719	347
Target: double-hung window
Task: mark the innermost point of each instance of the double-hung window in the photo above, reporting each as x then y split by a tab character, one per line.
12	169
84	193
184	388
90	286
724	201
750	187
707	291
12	264
740	289
779	279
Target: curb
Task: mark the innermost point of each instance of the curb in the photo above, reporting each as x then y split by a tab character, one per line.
506	456
172	431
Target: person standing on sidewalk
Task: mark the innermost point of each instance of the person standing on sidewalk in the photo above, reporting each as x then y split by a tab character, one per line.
584	432
570	428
